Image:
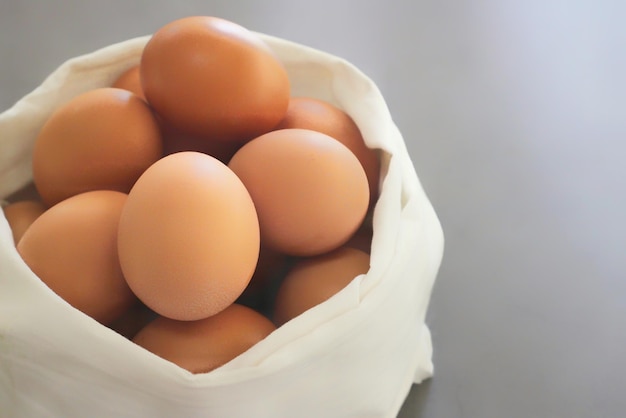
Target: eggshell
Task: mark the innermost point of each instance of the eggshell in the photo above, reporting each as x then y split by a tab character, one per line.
210	77
310	191
321	116
314	280
130	80
72	248
203	345
20	215
100	140
188	236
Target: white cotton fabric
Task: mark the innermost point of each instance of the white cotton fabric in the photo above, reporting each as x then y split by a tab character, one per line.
355	355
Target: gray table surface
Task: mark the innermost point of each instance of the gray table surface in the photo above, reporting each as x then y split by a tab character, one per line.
514	113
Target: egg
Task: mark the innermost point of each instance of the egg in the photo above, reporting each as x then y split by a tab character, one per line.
203	345
100	140
72	248
129	80
20	215
321	116
188	236
310	191
212	78
314	280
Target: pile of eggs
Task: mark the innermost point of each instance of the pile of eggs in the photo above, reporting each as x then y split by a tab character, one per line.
195	205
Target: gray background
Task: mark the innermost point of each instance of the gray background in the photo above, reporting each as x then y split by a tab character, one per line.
514	115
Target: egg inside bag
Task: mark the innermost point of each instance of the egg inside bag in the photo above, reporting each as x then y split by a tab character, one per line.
355	354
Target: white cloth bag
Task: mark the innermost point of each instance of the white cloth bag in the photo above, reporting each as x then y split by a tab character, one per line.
355	355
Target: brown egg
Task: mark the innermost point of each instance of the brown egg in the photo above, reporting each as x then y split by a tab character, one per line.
321	116
201	346
213	78
310	191
21	215
188	236
72	248
129	80
314	280
100	140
